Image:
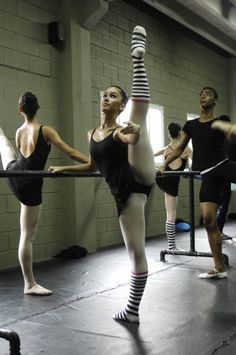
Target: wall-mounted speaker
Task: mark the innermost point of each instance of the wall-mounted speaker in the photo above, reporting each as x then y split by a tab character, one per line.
56	34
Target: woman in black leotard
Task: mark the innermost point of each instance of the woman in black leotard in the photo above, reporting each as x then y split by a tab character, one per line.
29	191
170	185
33	144
125	158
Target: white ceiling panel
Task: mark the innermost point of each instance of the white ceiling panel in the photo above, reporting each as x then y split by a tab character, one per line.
214	20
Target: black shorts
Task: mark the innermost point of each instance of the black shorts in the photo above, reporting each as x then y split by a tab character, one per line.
168	184
214	180
27	191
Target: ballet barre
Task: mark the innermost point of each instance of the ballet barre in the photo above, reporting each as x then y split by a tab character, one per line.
42	173
185	173
192	252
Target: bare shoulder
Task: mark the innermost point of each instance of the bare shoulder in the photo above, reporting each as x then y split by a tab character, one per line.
49	131
117	132
47	128
18	135
18	131
90	133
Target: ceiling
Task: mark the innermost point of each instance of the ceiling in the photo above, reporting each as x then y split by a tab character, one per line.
213	20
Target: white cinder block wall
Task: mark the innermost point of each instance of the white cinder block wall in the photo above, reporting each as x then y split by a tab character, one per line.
68	85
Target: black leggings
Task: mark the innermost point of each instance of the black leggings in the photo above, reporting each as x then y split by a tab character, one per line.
213	181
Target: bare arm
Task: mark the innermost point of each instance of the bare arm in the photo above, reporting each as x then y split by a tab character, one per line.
187	153
88	167
82	168
53	137
160	152
128	134
190	153
227	128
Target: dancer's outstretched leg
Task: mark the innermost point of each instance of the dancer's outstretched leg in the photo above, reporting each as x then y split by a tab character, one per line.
6	150
140	154
29	217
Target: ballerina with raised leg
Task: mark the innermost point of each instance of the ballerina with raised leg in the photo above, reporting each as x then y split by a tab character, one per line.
124	156
33	144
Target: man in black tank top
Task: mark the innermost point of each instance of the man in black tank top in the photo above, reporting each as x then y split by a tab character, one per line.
208	157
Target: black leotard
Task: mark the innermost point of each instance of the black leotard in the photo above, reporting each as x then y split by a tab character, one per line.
111	159
170	184
29	191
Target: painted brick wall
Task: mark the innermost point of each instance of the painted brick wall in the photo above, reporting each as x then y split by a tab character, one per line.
29	63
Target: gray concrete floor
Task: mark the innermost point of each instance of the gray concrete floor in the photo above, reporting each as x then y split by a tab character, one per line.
180	314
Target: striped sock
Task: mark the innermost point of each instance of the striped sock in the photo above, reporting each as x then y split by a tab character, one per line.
140	89
137	286
170	233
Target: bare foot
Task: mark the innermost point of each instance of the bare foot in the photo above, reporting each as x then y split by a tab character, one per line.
37	290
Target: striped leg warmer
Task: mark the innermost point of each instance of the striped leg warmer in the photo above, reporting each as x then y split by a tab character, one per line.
140	89
170	233
131	311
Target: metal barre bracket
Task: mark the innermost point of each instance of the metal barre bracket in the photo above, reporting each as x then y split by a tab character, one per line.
14	340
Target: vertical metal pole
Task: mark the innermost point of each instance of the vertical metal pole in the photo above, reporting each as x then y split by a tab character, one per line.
191	213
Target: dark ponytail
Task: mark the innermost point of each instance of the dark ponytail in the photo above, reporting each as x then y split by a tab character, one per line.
29	104
174	129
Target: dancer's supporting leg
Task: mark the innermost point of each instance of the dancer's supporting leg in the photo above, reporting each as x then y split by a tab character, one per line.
29	217
209	210
170	204
28	223
132	220
132	223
